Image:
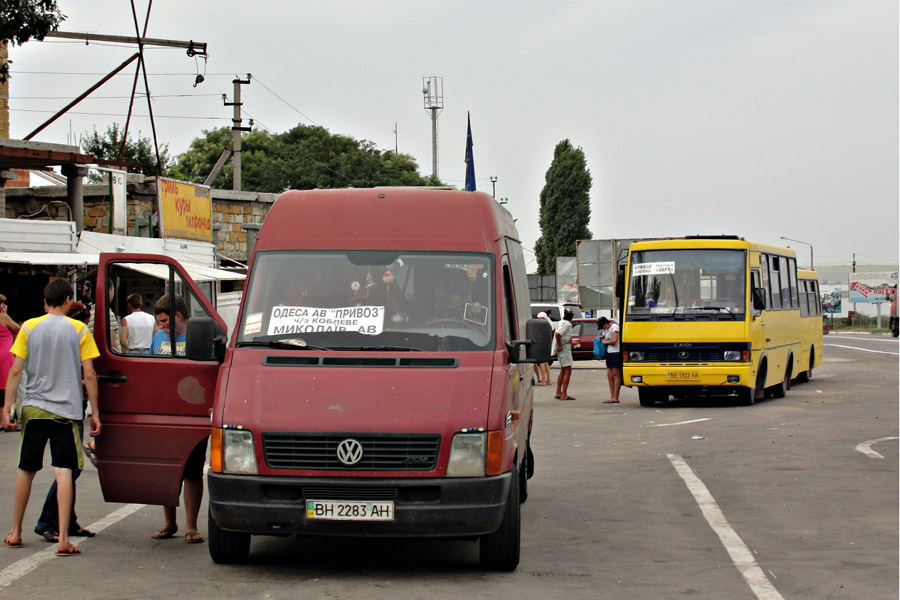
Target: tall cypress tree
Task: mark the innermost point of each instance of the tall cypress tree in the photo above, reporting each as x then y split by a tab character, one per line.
565	206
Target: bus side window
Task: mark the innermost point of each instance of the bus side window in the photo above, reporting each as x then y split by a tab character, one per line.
804	299
785	282
792	270
775	283
764	264
755	283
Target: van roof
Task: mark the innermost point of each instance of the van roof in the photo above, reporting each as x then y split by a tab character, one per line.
390	218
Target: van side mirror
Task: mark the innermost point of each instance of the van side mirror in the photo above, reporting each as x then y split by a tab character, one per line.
538	334
759	299
204	340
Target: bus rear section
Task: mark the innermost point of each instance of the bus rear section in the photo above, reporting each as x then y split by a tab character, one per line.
711	316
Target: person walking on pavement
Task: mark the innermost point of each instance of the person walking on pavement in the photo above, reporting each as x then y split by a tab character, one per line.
563	338
8	331
610	332
56	353
47	525
542	370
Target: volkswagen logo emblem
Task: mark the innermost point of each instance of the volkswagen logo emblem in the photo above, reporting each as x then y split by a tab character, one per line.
683	355
349	452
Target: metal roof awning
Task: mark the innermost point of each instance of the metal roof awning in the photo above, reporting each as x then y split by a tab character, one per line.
197	272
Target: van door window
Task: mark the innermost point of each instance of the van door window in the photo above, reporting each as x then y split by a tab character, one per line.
158	304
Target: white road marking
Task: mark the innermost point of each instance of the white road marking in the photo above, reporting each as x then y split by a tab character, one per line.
873	338
866	447
734	545
22	567
862	349
681	422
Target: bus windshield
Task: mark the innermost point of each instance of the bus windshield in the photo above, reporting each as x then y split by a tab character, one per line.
369	300
687	284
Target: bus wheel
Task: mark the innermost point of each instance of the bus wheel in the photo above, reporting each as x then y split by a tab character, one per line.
746	396
648	396
780	390
806	375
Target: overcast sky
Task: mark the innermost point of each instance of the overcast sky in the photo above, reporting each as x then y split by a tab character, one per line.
761	119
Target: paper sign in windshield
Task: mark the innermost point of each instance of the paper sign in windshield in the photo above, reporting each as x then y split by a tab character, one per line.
368	320
654	268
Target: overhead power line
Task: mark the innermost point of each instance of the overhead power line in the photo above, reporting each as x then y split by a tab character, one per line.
297	110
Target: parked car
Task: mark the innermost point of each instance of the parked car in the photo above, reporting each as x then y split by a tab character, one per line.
583	333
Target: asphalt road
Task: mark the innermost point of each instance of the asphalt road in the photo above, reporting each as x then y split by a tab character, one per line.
791	498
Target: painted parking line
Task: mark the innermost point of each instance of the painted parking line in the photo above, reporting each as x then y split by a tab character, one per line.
866	447
738	551
26	565
862	349
682	422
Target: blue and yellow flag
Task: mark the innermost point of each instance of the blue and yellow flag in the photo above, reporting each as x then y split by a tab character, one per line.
470	159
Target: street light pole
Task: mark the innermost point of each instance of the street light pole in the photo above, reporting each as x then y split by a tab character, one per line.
493	187
811	267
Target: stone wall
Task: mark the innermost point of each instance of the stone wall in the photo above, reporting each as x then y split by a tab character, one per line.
231	210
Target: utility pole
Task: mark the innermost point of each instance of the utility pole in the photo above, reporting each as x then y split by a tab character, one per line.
433	91
396	145
236	130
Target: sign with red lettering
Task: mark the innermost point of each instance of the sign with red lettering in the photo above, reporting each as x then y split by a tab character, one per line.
186	210
872	287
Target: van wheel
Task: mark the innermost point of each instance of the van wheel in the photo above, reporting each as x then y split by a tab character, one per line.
523	479
227	547
499	551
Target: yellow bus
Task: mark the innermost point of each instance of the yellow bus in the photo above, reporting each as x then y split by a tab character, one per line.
811	323
716	315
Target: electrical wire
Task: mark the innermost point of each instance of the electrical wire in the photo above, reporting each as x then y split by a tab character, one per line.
298	111
93	114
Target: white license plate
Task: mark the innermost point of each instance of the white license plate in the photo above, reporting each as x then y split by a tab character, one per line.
348	510
683	375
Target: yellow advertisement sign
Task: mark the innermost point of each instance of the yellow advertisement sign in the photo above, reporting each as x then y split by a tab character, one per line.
186	210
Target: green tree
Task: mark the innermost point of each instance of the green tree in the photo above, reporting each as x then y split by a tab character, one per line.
565	208
21	20
301	158
109	144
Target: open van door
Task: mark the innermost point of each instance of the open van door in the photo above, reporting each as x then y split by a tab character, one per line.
154	404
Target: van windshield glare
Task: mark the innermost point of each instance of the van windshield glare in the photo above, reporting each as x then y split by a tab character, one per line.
363	300
687	284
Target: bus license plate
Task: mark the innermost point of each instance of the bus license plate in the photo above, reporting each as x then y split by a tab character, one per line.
337	510
683	375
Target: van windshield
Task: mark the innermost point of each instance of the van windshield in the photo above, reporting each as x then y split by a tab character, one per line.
369	300
687	284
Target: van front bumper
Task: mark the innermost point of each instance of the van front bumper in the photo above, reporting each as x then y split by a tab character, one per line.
742	374
423	507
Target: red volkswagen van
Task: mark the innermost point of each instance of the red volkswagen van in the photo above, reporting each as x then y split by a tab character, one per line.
375	383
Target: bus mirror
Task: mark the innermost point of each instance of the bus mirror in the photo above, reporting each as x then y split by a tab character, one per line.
759	299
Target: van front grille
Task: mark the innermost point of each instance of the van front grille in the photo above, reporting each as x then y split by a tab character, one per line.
380	452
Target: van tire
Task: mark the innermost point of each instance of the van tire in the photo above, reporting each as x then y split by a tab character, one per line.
227	547
523	479
499	551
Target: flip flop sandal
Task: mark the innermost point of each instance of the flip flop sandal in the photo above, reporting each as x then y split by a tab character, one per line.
70	551
193	537
82	532
164	533
9	544
568	398
50	536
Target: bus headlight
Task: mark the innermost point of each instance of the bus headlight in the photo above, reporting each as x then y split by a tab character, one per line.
467	455
635	356
238	455
732	355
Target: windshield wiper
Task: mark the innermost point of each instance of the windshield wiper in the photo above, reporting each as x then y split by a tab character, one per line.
286	343
386	348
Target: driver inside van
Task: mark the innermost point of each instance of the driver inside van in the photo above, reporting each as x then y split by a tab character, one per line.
450	296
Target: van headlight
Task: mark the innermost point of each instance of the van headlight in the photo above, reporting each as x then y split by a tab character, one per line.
732	355
635	356
467	453
238	455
